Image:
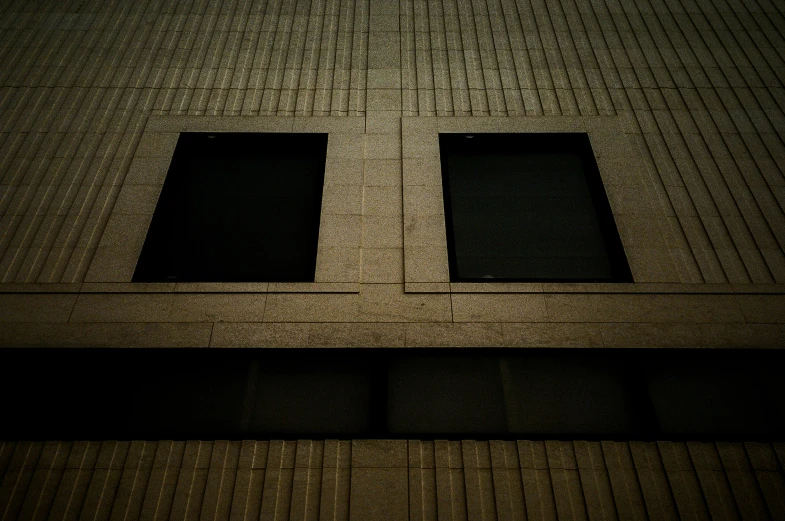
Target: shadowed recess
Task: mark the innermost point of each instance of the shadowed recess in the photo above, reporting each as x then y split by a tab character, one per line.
237	208
528	207
371	393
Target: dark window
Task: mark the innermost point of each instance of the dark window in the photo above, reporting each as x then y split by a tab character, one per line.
237	208
528	207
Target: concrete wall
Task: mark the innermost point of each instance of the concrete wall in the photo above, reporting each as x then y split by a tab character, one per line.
391	480
683	100
683	103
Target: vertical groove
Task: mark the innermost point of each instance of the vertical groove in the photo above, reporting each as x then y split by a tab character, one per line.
17	478
93	185
713	481
445	76
752	213
104	482
310	480
691	177
683	480
656	490
625	483
743	483
771	483
532	99
457	59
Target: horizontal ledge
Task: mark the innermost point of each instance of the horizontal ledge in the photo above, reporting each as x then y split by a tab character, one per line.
593	288
462	124
409	287
185	287
469	336
185	123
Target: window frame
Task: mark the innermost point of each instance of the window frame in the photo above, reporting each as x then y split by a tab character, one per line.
338	250
566	142
632	198
170	243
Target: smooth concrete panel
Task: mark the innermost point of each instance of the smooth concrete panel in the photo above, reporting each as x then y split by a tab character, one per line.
379	494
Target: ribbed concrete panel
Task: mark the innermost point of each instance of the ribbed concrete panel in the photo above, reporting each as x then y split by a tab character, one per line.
378	479
79	80
701	84
702	81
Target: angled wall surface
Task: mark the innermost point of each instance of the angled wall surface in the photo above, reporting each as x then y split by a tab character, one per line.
684	105
370	480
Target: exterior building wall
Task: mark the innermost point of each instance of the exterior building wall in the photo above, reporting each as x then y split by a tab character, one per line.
385	480
684	100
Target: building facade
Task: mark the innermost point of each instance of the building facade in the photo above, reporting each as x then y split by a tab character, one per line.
684	105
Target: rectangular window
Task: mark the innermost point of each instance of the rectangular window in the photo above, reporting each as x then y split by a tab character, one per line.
527	207
237	207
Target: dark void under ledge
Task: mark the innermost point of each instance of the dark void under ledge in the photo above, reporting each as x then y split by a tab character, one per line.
427	394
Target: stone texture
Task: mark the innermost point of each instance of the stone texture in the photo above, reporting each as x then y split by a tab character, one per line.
379	494
684	110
